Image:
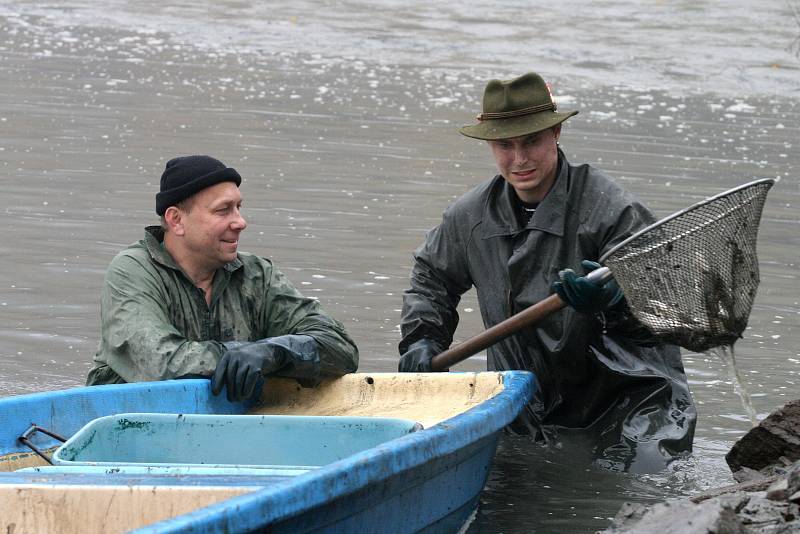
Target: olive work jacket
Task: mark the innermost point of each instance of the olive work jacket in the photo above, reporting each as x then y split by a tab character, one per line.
601	374
156	324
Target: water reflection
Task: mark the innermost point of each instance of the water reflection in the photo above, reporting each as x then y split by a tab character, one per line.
533	488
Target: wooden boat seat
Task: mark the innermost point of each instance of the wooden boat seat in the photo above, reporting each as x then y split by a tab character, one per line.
401	395
77	509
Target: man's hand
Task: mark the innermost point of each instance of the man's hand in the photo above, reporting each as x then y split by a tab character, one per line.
417	359
241	368
584	295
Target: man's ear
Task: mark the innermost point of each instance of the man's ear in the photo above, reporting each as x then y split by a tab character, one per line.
174	219
557	131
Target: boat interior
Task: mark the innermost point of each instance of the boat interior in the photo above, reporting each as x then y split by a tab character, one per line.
37	497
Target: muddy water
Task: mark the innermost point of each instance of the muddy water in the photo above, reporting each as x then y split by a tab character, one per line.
342	119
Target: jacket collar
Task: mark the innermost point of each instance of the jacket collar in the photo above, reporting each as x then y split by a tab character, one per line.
500	217
154	241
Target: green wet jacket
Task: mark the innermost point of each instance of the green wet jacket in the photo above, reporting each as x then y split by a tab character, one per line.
601	377
156	325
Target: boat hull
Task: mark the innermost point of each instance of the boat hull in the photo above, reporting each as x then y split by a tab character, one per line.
428	480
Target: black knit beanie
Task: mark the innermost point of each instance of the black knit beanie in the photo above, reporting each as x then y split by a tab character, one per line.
185	176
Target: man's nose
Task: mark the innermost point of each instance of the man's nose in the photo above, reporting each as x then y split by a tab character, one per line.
239	221
520	155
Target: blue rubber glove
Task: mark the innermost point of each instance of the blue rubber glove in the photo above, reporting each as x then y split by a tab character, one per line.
584	295
417	359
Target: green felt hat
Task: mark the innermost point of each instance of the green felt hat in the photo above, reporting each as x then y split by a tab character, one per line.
512	108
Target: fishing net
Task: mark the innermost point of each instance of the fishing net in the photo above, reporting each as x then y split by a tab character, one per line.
691	278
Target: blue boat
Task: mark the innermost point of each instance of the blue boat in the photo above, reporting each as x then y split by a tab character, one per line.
378	452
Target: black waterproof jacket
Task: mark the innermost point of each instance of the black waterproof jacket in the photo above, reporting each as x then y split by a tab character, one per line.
602	378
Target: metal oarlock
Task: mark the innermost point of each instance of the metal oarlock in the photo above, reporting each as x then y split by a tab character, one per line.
25	439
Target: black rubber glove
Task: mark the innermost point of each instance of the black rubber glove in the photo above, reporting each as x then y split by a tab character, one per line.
241	368
244	363
417	359
584	295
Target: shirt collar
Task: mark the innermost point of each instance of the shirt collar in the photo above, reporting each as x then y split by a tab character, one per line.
499	215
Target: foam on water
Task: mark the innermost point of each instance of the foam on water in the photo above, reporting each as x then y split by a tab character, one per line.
689	47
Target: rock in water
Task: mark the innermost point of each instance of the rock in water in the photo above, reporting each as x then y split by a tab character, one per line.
774	442
681	517
765	461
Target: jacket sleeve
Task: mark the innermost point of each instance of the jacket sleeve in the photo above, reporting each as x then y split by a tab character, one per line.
287	312
439	276
138	340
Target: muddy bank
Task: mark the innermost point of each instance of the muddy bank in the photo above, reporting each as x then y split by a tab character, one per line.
766	499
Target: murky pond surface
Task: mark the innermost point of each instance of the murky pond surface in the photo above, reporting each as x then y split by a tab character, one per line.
342	118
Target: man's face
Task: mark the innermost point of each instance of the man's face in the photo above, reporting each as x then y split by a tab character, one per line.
528	162
212	225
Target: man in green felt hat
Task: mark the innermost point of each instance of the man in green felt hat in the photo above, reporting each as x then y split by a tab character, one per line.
517	238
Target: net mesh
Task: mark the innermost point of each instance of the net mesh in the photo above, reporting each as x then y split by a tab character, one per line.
692	277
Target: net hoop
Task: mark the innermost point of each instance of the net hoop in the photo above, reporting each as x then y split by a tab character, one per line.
683	212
